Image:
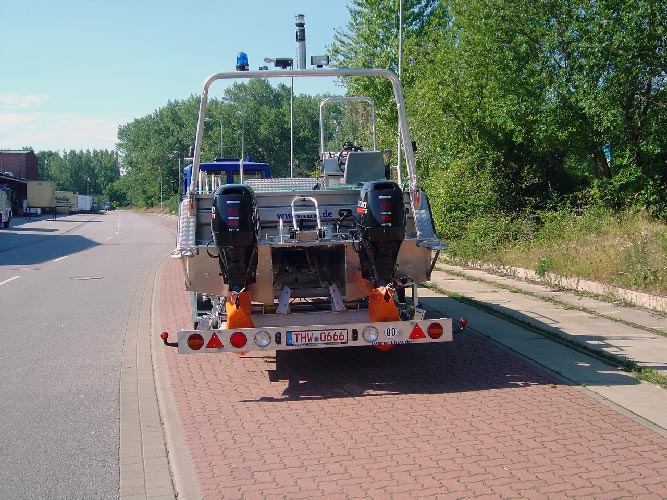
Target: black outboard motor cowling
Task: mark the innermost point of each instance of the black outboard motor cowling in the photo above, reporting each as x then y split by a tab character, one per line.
381	220
235	228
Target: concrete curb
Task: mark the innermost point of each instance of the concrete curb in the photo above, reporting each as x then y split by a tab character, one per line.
640	299
144	467
182	468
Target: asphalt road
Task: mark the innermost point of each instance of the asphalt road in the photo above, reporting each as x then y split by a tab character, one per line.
66	290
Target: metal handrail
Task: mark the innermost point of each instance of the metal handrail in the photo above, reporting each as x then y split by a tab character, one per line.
295	212
332	73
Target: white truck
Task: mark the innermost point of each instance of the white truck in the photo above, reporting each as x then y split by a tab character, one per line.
83	203
308	262
5	206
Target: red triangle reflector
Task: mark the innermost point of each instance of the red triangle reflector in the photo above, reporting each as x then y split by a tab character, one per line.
214	342
417	333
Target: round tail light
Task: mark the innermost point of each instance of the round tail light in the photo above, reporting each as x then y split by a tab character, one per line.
434	330
370	334
262	338
238	339
195	341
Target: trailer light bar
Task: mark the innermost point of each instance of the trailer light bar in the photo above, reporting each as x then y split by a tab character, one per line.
238	339
195	341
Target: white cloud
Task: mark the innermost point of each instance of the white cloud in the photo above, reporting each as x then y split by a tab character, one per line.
44	131
12	100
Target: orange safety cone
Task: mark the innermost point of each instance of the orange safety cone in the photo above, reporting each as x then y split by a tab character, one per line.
239	309
381	307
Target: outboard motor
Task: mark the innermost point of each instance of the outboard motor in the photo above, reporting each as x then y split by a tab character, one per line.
381	221
235	228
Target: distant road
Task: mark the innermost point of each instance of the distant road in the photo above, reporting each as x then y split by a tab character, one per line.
66	290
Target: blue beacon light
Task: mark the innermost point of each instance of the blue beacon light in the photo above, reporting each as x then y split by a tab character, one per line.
242	62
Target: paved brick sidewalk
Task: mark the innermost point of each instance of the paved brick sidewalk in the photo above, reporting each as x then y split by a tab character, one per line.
460	420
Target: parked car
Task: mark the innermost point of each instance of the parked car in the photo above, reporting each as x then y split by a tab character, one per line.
109	206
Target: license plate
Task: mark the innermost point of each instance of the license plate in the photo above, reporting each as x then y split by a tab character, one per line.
315	337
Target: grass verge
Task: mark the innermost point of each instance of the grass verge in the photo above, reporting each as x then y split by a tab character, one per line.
628	250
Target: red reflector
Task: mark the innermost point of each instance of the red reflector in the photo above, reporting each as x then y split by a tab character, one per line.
434	330
463	322
417	333
361	210
195	341
214	342
238	339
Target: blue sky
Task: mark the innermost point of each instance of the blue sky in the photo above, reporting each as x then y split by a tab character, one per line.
72	71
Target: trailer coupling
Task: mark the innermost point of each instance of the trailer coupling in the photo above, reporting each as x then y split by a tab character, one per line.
165	338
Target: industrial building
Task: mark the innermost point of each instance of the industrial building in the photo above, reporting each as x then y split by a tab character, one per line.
20	164
16	169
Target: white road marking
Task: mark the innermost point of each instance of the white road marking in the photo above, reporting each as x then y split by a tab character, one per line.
8	280
60	258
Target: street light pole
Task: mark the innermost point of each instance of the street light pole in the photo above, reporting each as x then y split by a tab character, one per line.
285	63
400	60
243	135
178	155
291	129
160	188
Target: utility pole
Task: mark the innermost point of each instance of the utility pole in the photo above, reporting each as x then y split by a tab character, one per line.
399	147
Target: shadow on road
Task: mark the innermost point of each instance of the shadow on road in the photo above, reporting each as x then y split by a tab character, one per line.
32	230
30	249
470	363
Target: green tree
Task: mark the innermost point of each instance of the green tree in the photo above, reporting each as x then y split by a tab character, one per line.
371	40
146	147
79	171
253	113
610	60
